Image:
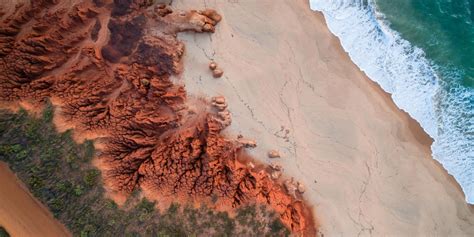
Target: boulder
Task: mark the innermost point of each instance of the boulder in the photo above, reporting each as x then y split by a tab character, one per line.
212	65
274	154
247	143
276	166
211	13
217	73
290	187
275	174
219	99
301	188
219	102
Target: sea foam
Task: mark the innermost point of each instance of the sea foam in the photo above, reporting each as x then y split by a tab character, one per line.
444	111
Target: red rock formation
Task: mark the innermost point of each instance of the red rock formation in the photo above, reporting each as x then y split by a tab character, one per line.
122	88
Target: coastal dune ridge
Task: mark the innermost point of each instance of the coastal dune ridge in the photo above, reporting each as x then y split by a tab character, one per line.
401	69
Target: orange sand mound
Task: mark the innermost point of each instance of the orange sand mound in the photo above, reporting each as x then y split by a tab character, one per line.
107	66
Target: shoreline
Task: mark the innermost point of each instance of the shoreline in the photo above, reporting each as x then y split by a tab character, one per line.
350	144
417	130
418	133
417	84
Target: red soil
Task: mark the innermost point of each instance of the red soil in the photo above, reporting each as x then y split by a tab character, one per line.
107	66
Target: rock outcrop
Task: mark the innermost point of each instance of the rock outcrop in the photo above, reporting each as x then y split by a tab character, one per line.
274	154
107	66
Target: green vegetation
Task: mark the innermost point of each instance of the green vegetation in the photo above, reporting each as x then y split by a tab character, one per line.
3	232
59	173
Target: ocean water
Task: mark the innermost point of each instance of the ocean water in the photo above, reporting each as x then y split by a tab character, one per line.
422	52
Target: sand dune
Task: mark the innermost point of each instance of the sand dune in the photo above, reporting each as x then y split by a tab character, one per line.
366	164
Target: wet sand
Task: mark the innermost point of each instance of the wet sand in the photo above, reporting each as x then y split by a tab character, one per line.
20	213
366	164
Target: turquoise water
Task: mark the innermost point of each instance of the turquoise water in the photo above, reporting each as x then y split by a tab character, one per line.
444	29
422	52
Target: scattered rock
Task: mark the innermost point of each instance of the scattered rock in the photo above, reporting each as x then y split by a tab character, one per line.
212	65
221	107
217	73
274	154
290	187
275	166
224	114
301	188
208	28
251	165
275	174
162	10
178	21
211	13
219	102
247	143
219	99
225	118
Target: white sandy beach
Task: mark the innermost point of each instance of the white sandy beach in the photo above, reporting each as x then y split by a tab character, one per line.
367	165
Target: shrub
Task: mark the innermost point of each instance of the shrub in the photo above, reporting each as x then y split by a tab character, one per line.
91	176
59	173
3	232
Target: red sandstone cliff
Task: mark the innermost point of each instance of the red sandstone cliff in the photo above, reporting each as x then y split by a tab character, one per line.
107	66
